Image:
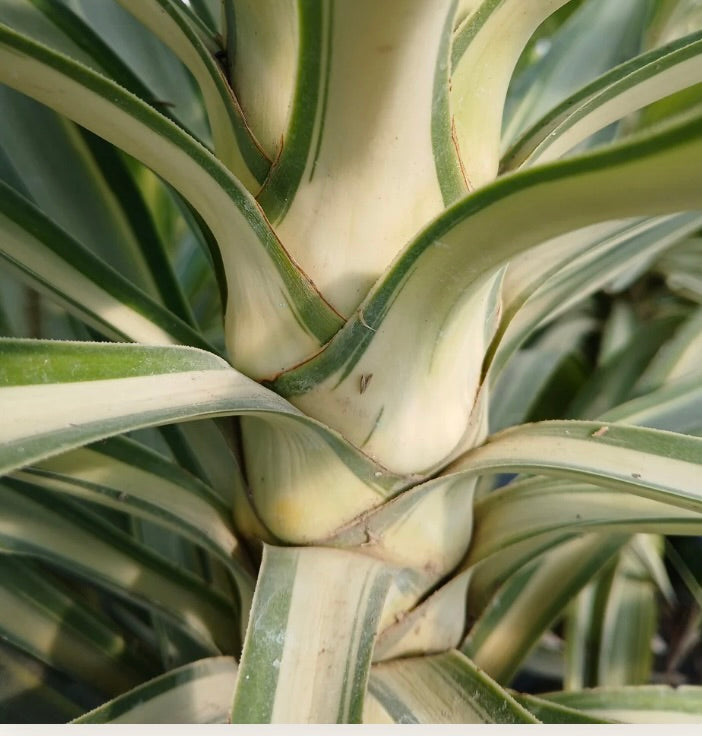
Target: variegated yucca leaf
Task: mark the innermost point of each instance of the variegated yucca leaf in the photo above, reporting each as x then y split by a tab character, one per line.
346	349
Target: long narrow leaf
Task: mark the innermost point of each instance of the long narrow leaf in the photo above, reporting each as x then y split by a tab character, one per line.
196	693
291	316
307	653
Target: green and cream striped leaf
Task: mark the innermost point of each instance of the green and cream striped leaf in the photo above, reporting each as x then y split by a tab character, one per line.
351	149
543	284
275	316
38	524
677	360
610	632
658	465
275	69
51	261
204	17
440	688
48	621
120	474
170	82
307	652
72	33
233	144
200	692
681	269
625	89
529	601
595	37
485	51
636	704
59	396
442	294
548	712
532	509
38	20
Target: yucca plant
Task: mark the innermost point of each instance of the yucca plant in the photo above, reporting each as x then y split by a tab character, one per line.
425	274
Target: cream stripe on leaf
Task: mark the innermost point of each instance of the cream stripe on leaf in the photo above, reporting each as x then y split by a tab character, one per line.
359	147
272	72
200	692
58	395
531	600
629	87
637	704
443	688
274	316
307	652
419	339
485	51
59	266
234	145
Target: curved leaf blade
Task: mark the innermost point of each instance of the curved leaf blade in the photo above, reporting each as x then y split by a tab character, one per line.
195	693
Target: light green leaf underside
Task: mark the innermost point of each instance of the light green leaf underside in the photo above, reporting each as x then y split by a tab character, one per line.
629	87
56	264
441	688
308	649
636	704
233	144
531	600
274	315
486	49
444	285
351	150
49	622
199	693
38	524
59	396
